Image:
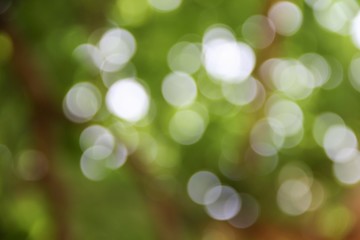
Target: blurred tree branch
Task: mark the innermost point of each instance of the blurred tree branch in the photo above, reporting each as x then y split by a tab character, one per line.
45	114
164	209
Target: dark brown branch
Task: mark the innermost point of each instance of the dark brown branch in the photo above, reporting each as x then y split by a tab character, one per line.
164	209
44	115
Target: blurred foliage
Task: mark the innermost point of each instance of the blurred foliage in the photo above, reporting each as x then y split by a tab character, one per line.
45	193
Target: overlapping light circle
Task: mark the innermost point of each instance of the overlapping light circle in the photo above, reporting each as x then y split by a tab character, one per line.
226	59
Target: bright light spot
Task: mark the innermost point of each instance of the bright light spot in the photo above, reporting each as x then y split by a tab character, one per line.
248	214
354	73
187	127
225	59
82	102
117	46
294	197
184	57
293	79
288	114
199	186
355	30
240	93
287	18
267	137
179	89
128	100
340	143
96	135
322	123
337	16
229	61
226	206
165	5
259	31
318	66
32	165
348	172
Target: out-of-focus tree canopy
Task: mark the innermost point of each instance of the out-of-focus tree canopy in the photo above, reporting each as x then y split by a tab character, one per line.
179	119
